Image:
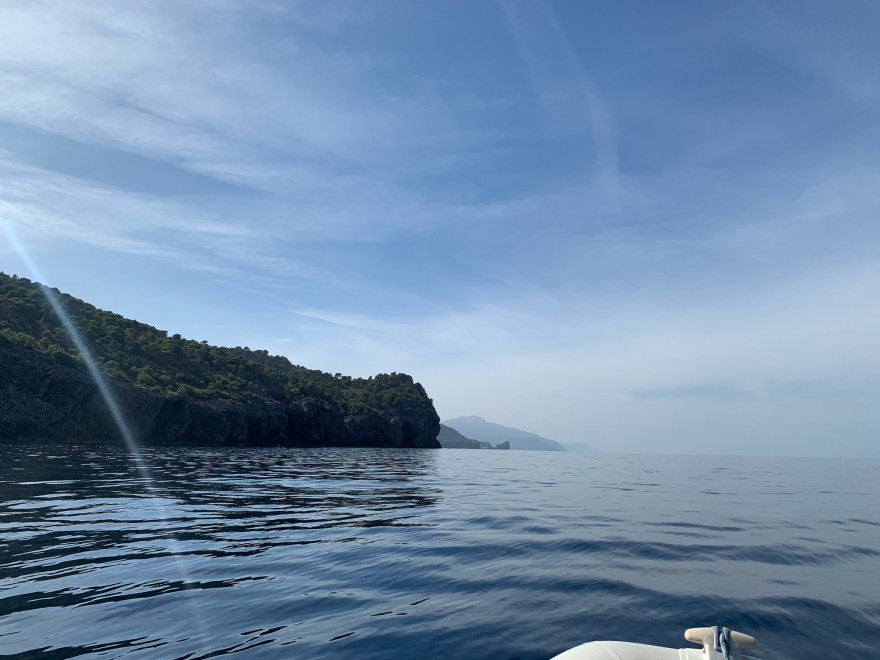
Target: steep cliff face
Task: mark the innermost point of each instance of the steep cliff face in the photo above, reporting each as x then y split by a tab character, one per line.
179	391
53	398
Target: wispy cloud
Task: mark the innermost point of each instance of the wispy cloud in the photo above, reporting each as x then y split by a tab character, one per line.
215	100
839	47
173	110
567	93
822	390
693	392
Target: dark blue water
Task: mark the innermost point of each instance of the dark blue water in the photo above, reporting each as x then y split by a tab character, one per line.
430	553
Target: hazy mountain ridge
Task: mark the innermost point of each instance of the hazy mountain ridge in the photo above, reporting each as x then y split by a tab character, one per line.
485	431
449	438
178	391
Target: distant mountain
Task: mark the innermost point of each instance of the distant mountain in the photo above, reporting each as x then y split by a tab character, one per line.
577	446
450	438
479	429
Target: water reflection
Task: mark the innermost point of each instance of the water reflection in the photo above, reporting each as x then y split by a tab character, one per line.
81	527
278	553
236	501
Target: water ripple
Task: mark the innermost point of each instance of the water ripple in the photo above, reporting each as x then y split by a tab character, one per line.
407	553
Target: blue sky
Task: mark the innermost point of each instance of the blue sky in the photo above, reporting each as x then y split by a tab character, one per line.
646	226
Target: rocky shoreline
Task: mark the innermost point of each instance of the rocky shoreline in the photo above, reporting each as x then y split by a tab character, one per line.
48	399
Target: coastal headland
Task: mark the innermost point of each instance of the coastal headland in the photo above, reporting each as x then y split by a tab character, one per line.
175	391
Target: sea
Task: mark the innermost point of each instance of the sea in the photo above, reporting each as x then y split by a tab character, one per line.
395	553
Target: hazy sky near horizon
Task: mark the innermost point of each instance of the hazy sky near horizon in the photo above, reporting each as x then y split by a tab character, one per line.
645	226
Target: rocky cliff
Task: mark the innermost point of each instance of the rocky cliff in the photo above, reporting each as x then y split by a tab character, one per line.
44	399
47	394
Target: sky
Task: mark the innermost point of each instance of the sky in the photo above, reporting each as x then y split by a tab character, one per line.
649	227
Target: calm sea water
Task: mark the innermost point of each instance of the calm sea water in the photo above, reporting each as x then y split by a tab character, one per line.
350	553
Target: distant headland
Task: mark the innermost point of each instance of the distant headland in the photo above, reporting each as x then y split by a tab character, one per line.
479	430
175	391
449	438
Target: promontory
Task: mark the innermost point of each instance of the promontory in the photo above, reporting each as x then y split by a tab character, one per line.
175	391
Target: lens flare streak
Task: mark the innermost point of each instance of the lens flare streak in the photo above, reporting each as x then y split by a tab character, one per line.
118	417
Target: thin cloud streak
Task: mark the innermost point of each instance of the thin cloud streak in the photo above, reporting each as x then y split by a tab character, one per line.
692	391
548	54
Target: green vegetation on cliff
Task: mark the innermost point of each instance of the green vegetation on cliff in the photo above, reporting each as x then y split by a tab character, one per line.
130	352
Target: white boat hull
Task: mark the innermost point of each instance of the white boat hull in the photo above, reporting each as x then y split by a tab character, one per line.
717	645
